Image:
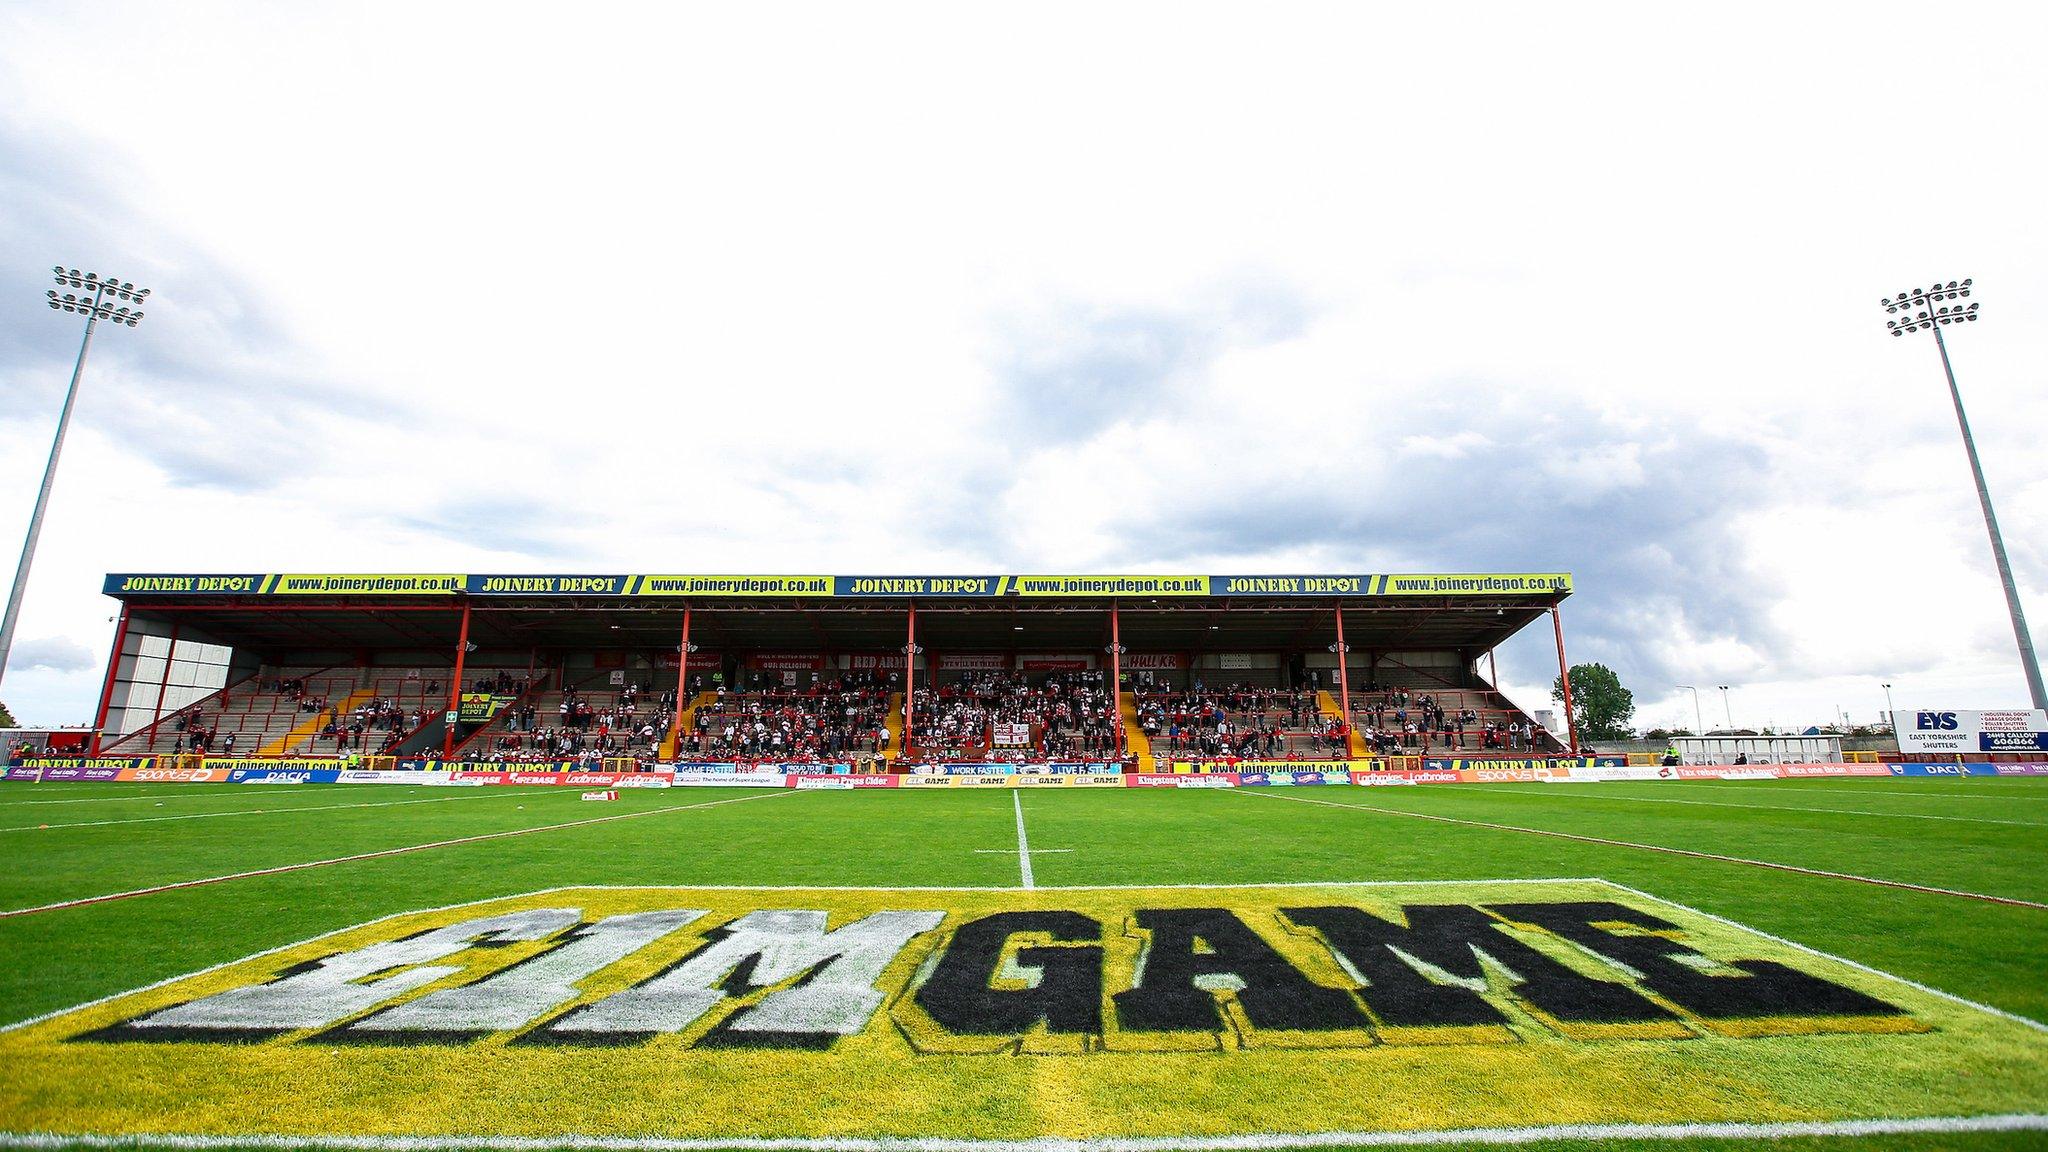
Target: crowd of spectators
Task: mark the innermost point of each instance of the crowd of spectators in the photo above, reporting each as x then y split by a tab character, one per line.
374	726
1067	716
844	716
585	726
1250	722
1399	722
1236	720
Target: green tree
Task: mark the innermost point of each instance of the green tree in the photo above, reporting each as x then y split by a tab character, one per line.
1601	707
6	717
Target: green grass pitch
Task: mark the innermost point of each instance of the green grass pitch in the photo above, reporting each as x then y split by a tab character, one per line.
1987	837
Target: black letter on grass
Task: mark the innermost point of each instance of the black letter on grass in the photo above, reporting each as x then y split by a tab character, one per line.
1768	989
1274	994
1450	937
960	997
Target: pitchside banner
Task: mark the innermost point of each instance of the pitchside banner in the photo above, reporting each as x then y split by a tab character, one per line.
2015	730
1560	763
129	585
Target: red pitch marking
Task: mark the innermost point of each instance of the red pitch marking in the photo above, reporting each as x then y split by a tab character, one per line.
382	852
2010	900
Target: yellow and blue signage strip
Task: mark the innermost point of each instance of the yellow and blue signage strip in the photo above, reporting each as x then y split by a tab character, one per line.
618	586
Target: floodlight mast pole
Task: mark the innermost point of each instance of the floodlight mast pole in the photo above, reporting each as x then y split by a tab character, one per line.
1923	310
95	308
1696	719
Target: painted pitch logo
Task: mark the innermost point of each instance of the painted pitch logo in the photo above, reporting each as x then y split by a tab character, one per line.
1107	1012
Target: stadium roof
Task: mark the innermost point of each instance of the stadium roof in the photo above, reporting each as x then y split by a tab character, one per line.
847	614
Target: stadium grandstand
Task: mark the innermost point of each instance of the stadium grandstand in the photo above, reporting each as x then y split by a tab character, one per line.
1149	672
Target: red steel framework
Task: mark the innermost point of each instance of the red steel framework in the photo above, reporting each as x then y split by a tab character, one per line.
1564	675
910	654
455	687
675	733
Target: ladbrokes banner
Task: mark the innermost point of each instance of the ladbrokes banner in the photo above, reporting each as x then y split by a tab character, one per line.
131	585
1269	1014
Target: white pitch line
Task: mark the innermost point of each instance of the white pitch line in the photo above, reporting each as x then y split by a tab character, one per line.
1247	1142
1006	851
1795	945
1664	848
1600	795
83	901
1023	844
235	812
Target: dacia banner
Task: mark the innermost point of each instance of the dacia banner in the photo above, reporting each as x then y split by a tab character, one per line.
864	1019
327	774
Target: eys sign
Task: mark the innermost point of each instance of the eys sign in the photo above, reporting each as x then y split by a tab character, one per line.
1277	1014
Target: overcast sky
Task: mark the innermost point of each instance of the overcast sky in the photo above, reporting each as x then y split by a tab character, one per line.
1052	288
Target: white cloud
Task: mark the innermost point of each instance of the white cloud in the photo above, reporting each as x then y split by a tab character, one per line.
694	289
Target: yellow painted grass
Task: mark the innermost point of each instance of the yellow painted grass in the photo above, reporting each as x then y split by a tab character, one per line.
880	1083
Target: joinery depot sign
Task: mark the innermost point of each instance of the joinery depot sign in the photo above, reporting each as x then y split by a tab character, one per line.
1008	1014
131	585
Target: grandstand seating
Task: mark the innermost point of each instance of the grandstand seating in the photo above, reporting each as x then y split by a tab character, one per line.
599	720
266	721
838	723
1265	723
956	720
1066	716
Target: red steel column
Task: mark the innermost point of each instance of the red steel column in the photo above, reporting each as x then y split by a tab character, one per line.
455	685
682	687
1116	682
1571	726
909	683
107	692
170	654
1344	679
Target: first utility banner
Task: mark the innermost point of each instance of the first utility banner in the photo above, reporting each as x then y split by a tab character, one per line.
128	585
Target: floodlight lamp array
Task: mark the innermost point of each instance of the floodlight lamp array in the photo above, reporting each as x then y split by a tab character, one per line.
1923	308
94	294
